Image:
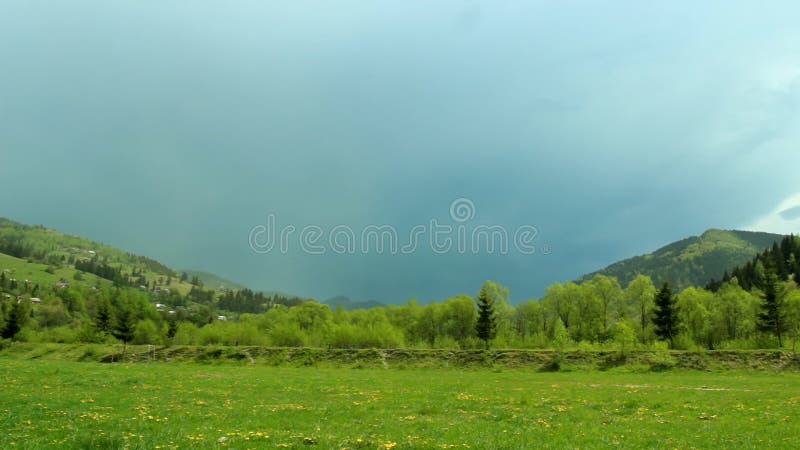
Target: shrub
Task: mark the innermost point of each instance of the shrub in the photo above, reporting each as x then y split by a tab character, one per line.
287	335
147	333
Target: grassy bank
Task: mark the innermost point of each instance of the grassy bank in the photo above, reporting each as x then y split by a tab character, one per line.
539	360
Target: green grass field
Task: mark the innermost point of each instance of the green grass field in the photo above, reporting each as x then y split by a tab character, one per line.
60	404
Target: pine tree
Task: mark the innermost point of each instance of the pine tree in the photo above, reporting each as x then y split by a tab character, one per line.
666	315
771	319
103	318
486	326
125	327
18	315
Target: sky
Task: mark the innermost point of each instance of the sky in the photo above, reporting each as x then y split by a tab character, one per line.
602	130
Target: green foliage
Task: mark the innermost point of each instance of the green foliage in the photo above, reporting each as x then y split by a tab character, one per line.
486	326
624	336
640	295
692	261
560	336
186	334
147	332
17	317
666	314
84	306
125	325
771	318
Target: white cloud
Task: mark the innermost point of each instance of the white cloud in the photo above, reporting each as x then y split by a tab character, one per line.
778	220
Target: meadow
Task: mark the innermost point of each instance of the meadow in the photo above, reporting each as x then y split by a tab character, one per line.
66	404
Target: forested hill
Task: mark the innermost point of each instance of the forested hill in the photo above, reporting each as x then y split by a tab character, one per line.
37	262
781	258
693	261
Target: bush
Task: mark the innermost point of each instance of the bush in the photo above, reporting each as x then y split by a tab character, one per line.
685	342
185	334
89	334
661	361
147	333
287	335
554	365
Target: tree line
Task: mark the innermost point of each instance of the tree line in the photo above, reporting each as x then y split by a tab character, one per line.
596	314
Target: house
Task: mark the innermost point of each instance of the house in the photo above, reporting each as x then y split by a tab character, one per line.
62	284
36	300
91	252
171	311
160	306
222	318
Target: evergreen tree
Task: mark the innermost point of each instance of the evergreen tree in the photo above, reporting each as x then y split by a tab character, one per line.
125	328
103	318
666	314
17	317
486	326
172	328
771	319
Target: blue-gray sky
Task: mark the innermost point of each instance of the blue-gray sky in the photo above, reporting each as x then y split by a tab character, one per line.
172	128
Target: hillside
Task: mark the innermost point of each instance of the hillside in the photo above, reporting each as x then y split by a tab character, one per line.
693	261
65	254
214	281
36	261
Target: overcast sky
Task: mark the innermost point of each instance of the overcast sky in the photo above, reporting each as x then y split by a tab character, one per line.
173	128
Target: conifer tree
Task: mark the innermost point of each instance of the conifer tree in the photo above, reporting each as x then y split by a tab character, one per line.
103	318
666	315
771	319
486	326
125	327
17	317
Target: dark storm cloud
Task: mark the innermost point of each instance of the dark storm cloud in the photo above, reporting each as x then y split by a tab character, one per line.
172	129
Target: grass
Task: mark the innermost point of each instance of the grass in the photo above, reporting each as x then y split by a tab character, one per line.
63	404
37	273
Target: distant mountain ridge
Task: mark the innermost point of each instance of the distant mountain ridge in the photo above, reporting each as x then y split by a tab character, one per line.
693	261
349	304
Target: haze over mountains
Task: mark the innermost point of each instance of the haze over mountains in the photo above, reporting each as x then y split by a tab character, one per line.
693	261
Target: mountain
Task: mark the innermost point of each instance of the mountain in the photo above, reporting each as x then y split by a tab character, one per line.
35	259
349	304
66	254
782	259
693	261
